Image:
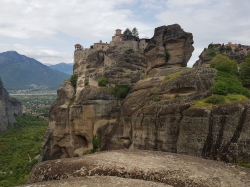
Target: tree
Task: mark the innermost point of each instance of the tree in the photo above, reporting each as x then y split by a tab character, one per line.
73	80
245	72
127	34
223	63
135	33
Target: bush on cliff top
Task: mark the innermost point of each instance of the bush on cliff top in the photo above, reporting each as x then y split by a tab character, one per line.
223	63
226	80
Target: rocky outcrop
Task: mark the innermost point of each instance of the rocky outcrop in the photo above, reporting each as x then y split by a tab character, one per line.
100	181
157	114
8	107
170	46
155	168
232	51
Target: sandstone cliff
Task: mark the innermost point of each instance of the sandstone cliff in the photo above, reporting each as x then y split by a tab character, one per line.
8	107
158	112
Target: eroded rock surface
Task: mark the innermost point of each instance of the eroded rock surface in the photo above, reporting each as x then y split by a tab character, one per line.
8	107
171	46
172	169
98	181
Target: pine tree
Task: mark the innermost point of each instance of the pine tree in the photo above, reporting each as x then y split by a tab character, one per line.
127	34
135	33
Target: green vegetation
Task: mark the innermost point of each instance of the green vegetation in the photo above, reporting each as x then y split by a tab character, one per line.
218	99
223	63
245	71
228	84
73	80
37	104
131	35
86	84
102	82
227	81
215	99
19	147
157	99
96	144
241	163
167	56
210	53
129	51
214	49
120	91
71	102
174	75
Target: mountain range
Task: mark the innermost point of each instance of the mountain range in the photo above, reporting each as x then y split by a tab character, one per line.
21	72
63	67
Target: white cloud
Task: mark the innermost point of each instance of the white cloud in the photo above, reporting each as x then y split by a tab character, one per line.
56	26
210	21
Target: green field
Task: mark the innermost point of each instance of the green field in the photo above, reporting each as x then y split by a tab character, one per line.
19	149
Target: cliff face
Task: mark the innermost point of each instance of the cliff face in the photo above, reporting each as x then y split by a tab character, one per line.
157	114
8	107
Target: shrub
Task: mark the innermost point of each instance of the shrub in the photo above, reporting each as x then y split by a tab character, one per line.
76	155
167	56
215	99
96	143
157	99
86	84
102	82
228	84
245	72
223	63
211	53
210	46
220	88
73	80
120	91
129	51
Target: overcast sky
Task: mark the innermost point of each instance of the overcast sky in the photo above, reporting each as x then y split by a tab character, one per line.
47	30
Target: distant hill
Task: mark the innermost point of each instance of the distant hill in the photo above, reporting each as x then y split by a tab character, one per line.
21	72
63	67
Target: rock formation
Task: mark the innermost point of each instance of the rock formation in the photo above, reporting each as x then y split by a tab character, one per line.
8	107
146	168
236	52
158	112
169	43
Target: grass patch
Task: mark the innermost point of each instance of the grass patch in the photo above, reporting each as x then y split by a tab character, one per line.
218	99
72	102
241	163
174	75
